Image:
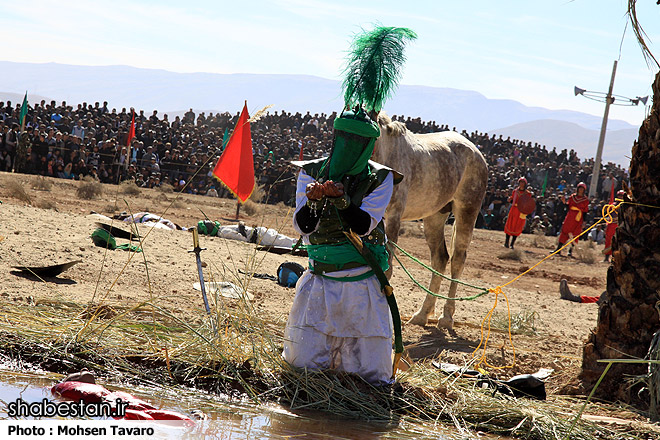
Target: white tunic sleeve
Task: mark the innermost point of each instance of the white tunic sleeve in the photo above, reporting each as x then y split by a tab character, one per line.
376	202
304	179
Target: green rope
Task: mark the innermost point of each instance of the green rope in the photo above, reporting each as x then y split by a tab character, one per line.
483	290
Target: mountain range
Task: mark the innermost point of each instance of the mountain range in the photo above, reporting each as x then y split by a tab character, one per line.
173	93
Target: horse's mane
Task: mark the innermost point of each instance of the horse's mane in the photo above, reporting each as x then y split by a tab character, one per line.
395	128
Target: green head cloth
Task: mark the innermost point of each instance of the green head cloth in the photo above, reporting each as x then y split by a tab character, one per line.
355	136
103	238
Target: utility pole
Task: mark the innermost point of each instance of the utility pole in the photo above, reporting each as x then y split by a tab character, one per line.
609	99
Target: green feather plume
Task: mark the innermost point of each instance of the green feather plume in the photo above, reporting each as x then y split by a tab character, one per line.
373	68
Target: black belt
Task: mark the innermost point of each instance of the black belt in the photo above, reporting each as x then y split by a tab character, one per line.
319	268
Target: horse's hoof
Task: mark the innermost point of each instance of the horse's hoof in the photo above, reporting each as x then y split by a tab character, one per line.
418	319
445	322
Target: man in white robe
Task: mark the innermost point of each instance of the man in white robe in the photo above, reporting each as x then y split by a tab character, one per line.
340	318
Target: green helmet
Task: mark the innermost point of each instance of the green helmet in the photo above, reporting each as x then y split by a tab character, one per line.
355	136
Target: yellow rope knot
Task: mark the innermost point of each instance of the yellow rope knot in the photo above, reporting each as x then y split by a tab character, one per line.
608	210
484	340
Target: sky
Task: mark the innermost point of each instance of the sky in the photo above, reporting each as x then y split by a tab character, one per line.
533	52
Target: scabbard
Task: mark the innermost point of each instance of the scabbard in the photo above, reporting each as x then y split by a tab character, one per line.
386	288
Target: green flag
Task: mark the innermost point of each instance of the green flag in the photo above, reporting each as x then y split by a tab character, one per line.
545	183
24	110
225	139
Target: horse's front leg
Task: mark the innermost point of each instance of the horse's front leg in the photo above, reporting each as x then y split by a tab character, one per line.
461	237
434	230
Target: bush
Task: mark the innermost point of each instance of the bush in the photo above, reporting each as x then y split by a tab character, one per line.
586	255
129	188
540	240
166	188
251	208
42	184
522	323
258	194
47	204
89	189
511	254
17	190
111	208
178	203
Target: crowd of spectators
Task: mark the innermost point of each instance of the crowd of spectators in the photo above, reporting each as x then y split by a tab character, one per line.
550	174
74	142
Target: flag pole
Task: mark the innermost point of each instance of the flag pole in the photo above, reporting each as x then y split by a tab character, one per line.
238	202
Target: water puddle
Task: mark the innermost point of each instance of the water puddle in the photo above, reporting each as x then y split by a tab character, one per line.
227	419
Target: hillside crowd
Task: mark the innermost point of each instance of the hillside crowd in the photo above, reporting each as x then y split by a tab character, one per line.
90	141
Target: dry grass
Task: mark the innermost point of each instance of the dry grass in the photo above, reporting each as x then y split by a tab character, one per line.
258	194
47	204
89	189
17	190
251	208
178	203
148	343
243	358
541	241
511	254
40	183
522	323
166	188
111	208
245	354
129	188
586	255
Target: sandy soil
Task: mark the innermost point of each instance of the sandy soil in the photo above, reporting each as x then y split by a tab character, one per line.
61	232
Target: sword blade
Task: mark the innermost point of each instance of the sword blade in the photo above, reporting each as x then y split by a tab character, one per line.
201	282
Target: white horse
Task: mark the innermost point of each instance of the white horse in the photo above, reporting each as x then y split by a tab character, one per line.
443	172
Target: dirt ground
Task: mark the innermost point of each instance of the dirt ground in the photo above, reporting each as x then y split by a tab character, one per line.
55	227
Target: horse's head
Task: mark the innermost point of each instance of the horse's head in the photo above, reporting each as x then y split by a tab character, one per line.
389	132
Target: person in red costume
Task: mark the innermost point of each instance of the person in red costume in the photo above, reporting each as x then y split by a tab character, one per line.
82	386
611	229
565	293
578	206
515	222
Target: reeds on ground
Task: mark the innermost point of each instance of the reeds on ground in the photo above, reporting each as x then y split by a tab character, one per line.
150	344
239	354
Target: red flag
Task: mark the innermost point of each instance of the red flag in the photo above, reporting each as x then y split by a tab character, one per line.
131	132
300	155
235	168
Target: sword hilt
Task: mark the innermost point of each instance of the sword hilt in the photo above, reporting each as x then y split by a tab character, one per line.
196	248
195	238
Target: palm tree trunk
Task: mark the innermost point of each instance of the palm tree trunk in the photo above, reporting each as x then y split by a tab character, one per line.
627	318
